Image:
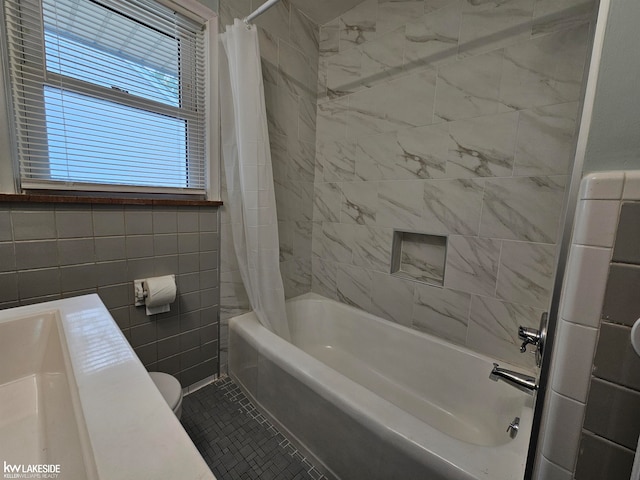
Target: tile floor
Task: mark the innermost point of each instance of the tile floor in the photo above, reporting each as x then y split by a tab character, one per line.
238	442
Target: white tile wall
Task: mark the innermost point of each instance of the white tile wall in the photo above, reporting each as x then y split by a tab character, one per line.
573	360
596	222
550	471
583	291
602	186
562	435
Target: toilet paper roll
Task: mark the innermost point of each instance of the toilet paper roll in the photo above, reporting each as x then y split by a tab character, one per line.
160	292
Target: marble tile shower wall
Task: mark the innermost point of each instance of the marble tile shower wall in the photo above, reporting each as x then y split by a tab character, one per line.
450	117
289	50
53	251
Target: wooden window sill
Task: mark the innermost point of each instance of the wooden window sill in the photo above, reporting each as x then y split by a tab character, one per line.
40	198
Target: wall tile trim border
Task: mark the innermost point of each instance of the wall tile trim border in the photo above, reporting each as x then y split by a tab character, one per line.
591	252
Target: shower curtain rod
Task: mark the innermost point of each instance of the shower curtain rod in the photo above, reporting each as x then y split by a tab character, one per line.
260	10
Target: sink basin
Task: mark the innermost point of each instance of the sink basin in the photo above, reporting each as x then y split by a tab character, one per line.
76	401
40	422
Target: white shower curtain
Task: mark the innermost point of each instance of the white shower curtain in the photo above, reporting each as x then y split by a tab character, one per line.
247	164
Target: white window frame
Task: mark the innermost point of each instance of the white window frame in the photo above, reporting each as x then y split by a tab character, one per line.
9	169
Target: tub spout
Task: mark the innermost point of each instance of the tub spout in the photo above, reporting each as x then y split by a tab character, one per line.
523	382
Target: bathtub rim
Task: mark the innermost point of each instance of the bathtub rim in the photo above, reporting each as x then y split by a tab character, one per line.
384	418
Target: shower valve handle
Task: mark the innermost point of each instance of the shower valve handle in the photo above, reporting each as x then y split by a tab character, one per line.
530	336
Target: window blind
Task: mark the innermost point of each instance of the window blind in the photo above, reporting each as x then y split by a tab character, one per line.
107	95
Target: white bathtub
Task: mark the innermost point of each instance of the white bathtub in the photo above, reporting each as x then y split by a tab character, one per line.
77	404
370	399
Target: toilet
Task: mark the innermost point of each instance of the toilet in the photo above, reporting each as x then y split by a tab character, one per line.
170	389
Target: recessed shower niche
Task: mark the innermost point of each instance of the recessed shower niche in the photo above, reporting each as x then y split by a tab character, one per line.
419	256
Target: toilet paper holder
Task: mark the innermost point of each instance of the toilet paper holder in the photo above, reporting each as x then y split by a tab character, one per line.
139	292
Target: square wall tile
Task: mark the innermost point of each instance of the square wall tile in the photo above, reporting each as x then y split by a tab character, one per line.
168	326
140	268
165	265
36	254
170	365
77	277
208	219
548	470
110	248
73	222
562	436
7	257
600	459
596	222
108	221
38	283
613	413
573	360
8	287
188	219
584	285
189	243
209	241
602	186
165	220
76	250
34	224
138	220
189	321
143	334
6	231
615	359
139	246
627	247
165	244
168	347
108	273
621	299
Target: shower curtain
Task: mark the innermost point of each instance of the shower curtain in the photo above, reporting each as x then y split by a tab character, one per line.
249	176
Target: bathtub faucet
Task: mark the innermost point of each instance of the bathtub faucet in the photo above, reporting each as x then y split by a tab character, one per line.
523	382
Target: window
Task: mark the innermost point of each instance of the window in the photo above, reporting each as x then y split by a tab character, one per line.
107	95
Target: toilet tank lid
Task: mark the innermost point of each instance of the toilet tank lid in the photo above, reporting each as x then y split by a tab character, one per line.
169	387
